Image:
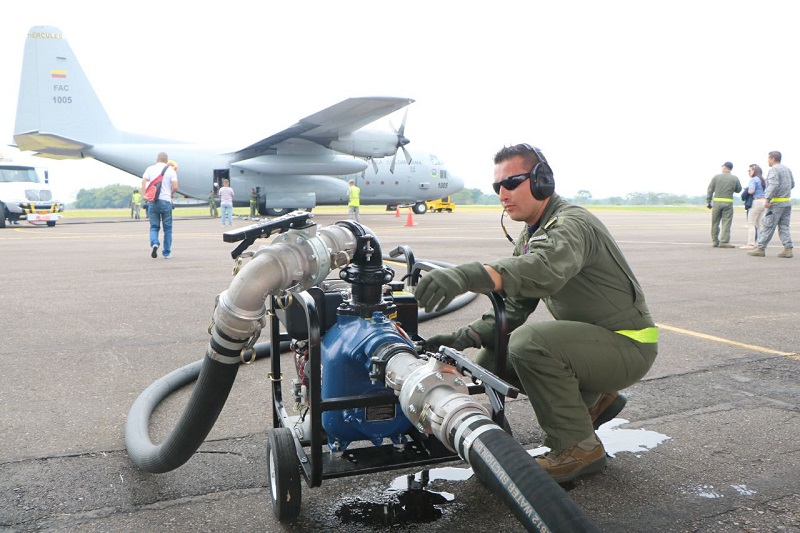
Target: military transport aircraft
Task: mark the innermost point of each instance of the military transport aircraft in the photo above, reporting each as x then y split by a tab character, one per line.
308	164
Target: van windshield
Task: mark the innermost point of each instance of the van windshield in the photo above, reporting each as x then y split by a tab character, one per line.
13	174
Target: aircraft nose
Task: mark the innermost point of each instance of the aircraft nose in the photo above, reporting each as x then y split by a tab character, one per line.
456	184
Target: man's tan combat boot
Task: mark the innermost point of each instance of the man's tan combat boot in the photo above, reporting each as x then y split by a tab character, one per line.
787	252
757	252
607	407
586	457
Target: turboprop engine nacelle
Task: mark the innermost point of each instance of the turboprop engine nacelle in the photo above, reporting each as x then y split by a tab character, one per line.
366	144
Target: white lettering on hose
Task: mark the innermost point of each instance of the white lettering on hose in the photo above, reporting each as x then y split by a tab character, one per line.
510	487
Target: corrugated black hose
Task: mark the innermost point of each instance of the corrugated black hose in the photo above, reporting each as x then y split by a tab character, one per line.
214	383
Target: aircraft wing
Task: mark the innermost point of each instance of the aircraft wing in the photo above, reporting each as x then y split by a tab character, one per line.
339	119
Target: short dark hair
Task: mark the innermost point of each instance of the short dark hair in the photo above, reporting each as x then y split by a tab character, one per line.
518	150
776	155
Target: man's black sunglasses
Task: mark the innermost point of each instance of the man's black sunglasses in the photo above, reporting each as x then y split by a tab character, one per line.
510	183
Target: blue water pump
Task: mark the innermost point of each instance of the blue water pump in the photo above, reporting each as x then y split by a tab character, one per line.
347	349
364	327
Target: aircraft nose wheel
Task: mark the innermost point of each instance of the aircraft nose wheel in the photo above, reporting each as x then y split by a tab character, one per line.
283	473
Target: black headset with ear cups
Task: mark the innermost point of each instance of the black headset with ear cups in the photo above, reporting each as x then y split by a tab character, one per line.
543	185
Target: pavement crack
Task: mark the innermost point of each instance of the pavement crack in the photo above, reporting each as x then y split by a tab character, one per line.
70	520
219	452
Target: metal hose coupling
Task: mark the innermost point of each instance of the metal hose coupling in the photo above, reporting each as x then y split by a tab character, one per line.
295	261
433	396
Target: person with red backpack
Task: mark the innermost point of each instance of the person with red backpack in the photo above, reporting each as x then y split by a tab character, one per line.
159	183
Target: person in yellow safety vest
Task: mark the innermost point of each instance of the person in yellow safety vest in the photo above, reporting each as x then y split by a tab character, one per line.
355	203
721	190
136	204
253	202
778	203
603	338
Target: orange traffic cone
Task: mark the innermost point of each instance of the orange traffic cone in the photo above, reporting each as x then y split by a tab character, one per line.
397	212
410	217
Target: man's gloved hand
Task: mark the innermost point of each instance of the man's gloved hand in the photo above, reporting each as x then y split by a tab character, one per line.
437	288
465	337
709	205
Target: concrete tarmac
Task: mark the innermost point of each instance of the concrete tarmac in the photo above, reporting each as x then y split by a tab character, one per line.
89	320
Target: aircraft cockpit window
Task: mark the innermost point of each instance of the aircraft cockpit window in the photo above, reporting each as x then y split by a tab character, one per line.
11	174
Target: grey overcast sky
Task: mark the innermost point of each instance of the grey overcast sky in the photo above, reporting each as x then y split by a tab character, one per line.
621	96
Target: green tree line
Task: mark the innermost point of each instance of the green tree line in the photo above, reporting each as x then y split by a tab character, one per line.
110	196
584	197
115	196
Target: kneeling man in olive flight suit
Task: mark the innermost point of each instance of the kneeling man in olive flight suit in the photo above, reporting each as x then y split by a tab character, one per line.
603	338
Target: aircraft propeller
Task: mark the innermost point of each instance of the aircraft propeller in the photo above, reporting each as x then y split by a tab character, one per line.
402	141
374	165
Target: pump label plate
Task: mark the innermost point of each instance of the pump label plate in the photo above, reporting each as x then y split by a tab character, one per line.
378	413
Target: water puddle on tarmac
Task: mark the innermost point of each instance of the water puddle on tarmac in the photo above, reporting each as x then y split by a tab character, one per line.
406	501
409	500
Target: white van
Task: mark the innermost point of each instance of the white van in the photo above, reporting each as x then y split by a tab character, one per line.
26	195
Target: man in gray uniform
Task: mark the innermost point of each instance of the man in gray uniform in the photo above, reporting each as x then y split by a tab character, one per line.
721	188
603	338
778	196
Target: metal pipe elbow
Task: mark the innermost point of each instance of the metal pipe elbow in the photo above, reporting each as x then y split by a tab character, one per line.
295	260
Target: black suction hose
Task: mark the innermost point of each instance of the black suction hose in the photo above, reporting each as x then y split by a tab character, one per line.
537	501
214	383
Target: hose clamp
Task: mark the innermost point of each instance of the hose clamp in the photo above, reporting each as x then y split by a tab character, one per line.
250	343
463	429
470	438
237	264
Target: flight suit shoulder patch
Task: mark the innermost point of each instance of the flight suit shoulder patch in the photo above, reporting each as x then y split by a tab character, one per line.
550	223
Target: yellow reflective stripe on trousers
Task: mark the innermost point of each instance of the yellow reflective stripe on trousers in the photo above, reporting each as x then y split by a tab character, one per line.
776	200
645	336
723	199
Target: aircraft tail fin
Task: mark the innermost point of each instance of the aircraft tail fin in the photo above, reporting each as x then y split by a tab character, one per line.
58	112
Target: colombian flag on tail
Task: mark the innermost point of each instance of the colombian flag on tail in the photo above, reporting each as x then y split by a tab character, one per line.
59	74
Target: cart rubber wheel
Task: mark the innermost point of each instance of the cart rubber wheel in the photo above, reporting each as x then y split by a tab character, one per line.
283	474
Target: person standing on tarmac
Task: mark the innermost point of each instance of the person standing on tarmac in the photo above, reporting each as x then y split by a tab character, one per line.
778	203
603	338
226	196
755	197
136	204
721	189
253	202
354	204
212	202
